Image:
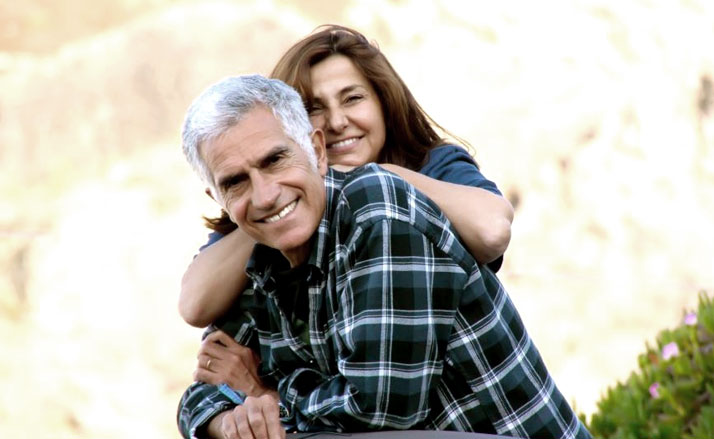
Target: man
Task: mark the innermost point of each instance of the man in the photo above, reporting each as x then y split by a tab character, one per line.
366	310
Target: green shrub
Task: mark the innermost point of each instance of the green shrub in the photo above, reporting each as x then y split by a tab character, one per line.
672	393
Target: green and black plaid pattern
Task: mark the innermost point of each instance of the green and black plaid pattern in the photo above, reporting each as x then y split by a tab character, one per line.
406	330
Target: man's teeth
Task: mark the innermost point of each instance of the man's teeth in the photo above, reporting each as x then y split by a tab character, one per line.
289	208
345	142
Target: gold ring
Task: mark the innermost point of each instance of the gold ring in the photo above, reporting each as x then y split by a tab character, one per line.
208	364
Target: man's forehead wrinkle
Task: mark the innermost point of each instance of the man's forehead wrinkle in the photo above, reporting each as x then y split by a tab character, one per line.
234	168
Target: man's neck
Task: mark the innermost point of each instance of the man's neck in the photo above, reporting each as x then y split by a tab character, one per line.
299	256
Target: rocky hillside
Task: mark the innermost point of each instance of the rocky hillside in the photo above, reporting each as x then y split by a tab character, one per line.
595	118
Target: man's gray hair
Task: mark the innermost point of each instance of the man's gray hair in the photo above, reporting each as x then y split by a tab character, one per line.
222	105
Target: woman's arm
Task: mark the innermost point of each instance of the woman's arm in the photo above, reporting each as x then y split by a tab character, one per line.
482	218
214	279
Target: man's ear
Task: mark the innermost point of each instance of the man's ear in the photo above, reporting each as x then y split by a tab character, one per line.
318	142
210	194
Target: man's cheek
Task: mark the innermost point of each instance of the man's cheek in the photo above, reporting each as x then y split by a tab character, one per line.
230	207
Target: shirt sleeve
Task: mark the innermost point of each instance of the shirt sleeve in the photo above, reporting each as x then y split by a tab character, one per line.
397	301
201	402
213	237
454	164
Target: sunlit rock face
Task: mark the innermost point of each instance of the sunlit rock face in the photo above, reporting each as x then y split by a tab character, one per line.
596	120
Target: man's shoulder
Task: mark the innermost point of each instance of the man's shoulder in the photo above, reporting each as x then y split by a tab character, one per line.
371	192
371	195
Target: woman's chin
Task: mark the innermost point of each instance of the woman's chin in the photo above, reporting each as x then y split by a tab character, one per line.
343	160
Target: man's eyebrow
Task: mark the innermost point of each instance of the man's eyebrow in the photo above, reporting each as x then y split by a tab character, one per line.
225	182
275	151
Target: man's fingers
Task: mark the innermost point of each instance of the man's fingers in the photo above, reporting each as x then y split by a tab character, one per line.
213	336
206	377
229	427
271	412
241	420
223	338
230	347
217	350
256	418
202	361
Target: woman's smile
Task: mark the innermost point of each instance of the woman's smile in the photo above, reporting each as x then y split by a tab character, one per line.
342	144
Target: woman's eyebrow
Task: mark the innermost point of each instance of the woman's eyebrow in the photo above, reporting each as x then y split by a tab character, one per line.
351	88
343	91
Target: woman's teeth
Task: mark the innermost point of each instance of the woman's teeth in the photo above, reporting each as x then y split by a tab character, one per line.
289	208
343	143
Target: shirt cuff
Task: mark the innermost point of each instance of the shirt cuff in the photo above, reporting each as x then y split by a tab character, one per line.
200	424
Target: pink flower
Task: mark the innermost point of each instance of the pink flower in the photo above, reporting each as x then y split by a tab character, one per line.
654	390
690	319
670	350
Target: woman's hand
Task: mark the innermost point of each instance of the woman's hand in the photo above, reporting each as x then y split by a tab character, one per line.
222	360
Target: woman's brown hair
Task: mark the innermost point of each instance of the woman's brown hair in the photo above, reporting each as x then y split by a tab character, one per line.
410	132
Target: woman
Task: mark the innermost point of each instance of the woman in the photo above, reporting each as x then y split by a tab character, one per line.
368	114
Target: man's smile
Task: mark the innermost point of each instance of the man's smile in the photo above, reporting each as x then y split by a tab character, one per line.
280	215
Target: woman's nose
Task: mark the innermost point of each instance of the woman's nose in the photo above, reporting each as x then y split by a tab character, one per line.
337	120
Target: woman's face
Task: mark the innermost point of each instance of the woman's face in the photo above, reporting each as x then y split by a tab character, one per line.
347	109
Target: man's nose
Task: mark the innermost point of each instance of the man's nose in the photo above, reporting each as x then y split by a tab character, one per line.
265	192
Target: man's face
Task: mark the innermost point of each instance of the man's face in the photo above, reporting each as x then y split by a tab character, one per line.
267	183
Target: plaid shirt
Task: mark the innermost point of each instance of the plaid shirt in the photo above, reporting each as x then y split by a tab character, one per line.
406	331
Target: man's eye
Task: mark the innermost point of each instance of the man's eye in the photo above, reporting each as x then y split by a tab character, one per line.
273	159
233	184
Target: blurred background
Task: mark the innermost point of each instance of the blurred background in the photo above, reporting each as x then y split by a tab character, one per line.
596	119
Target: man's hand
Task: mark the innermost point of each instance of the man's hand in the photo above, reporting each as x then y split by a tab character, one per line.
257	418
222	360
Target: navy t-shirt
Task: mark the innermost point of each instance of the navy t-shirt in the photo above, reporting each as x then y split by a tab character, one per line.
450	163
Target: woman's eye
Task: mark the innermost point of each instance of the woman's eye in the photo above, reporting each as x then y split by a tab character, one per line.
353	98
314	109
